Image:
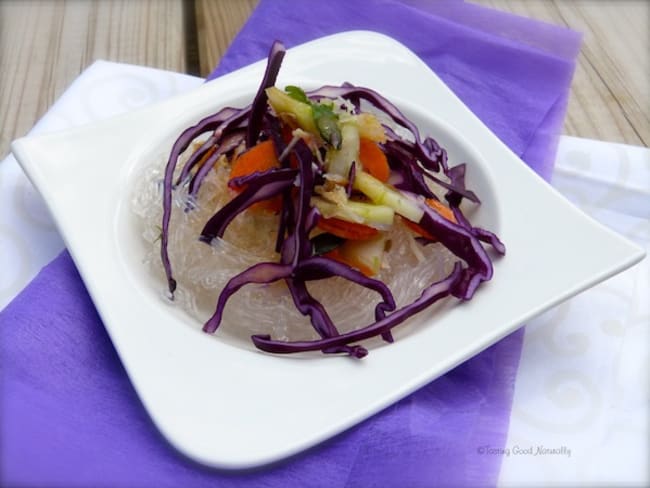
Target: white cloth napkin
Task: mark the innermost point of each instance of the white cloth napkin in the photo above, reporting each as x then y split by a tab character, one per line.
28	236
582	396
581	406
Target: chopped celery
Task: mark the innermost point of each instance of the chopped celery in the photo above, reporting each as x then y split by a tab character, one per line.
328	124
283	103
325	120
340	161
367	255
383	194
358	212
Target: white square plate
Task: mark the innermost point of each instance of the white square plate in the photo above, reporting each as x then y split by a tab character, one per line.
234	407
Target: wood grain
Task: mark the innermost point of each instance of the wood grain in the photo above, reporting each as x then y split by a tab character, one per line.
46	44
218	22
610	97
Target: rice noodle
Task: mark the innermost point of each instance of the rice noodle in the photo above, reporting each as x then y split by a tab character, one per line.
202	270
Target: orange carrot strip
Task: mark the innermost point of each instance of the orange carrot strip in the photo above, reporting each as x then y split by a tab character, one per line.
439	207
373	160
337	255
260	157
442	209
347	230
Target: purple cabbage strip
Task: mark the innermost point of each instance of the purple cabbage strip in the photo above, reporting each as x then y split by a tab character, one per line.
350	92
297	245
404	158
227	120
463	244
309	306
223	115
209	123
356	351
456	175
428	153
404	163
320	319
195	158
229	142
481	234
286	210
291	251
261	273
455	192
435	151
219	122
259	186
490	238
274	61
272	129
429	296
319	267
286	213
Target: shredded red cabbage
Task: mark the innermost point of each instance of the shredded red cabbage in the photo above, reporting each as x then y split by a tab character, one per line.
415	165
429	296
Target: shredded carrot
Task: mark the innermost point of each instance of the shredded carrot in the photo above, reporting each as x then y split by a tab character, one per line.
260	157
439	207
347	230
373	160
337	255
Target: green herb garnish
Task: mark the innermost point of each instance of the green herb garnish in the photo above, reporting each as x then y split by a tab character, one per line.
297	93
325	119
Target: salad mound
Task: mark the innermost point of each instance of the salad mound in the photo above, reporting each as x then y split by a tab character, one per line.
338	172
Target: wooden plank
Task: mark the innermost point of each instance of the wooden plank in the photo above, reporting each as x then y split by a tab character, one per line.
218	21
610	97
45	44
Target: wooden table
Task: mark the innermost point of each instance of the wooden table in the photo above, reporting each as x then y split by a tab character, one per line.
45	44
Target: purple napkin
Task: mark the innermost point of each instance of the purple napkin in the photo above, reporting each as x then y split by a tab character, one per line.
70	417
